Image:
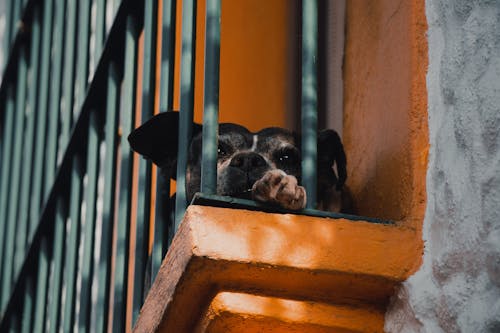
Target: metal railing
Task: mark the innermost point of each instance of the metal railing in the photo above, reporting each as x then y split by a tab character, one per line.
76	206
67	103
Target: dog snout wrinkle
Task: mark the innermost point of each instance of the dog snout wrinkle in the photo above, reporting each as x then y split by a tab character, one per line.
247	161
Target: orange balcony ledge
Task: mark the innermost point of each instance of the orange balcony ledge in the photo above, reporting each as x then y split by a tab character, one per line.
233	312
246	270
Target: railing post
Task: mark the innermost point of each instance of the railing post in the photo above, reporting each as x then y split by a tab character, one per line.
127	120
162	216
211	101
186	103
309	102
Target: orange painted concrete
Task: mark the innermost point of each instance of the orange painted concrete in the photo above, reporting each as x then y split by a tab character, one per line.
287	256
238	312
385	116
256	64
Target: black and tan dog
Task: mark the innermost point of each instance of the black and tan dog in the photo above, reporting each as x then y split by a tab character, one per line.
264	166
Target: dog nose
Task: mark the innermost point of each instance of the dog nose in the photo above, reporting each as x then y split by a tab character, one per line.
248	160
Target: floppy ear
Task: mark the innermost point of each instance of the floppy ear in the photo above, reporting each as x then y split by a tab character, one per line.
157	138
330	151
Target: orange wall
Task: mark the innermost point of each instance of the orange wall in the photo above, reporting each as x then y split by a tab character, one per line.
385	110
256	66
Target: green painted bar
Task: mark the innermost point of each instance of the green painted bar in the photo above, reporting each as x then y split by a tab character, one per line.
37	191
82	64
15	23
55	96
24	211
10	266
143	200
166	104
68	84
116	4
167	55
186	103
125	195
100	30
54	307
73	239
142	232
309	98
149	70
41	287
92	170
211	100
29	297
8	133
9	10
111	132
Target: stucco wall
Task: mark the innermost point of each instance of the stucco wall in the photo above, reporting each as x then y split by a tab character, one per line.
458	287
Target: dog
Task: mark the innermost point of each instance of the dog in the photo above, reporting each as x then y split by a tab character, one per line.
264	166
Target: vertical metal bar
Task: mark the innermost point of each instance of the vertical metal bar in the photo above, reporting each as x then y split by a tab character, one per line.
309	98
57	259
142	231
211	100
82	65
24	212
149	79
9	10
8	226
143	201
123	223
108	199
100	29
20	104
69	71
15	20
71	258
29	297
166	103
167	55
55	96
41	131
186	104
41	286
90	217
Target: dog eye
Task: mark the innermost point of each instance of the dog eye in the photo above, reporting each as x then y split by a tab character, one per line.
287	156
223	150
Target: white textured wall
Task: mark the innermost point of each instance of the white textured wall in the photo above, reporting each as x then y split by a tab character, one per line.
458	287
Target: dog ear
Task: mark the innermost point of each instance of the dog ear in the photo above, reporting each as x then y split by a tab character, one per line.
157	139
330	151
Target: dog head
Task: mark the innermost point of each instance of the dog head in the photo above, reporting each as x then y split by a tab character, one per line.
244	157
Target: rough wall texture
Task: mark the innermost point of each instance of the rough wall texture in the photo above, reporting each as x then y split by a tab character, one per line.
458	287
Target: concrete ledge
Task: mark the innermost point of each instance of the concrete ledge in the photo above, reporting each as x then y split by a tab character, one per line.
356	264
237	312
